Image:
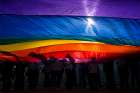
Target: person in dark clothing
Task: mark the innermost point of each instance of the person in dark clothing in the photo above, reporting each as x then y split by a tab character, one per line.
123	73
71	59
19	75
92	74
32	75
69	75
60	71
57	72
7	74
47	74
52	75
19	71
1	62
83	72
46	69
7	71
134	70
70	72
108	70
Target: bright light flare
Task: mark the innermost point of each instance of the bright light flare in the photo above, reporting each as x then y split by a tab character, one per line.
90	22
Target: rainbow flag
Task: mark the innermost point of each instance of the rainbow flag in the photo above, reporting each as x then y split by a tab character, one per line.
82	28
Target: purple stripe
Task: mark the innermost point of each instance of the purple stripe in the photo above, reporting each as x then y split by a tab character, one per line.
107	8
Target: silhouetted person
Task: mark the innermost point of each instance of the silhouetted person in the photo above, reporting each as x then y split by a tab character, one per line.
47	67
19	70
52	60
32	75
19	75
57	72
134	70
70	72
47	74
83	72
92	74
123	73
7	68
1	62
108	70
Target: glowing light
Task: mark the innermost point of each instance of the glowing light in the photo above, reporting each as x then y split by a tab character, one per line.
90	24
90	21
91	11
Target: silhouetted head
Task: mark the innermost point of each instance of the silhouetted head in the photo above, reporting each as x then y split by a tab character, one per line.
32	54
51	57
92	61
93	58
68	56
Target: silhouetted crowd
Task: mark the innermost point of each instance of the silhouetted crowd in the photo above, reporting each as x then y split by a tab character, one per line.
122	73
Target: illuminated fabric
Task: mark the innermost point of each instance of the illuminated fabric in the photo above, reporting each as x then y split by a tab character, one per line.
41	43
81	50
82	37
17	29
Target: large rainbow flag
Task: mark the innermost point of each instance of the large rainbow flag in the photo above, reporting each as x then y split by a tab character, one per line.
82	28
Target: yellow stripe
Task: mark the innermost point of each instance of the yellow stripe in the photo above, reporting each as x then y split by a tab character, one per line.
35	44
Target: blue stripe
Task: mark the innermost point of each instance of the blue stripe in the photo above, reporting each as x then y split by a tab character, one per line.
108	30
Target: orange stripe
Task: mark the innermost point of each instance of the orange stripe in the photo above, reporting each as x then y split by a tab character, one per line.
82	47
